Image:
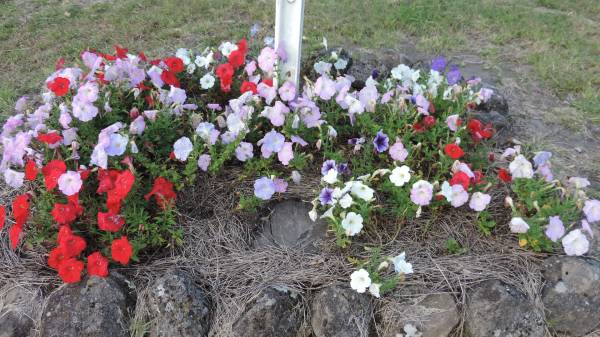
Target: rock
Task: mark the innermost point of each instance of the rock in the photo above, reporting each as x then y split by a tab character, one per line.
178	307
595	240
571	295
496	309
434	316
496	103
94	307
18	307
291	227
272	314
340	312
365	62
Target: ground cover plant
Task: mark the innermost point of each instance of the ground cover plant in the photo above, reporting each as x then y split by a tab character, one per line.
101	158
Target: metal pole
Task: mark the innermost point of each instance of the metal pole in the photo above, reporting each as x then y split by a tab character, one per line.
289	21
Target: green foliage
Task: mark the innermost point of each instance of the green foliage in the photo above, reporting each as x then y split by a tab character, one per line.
453	247
249	203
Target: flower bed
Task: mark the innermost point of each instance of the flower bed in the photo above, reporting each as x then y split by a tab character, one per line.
99	162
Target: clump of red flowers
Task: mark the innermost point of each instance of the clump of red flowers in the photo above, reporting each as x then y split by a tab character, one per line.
59	86
235	60
454	151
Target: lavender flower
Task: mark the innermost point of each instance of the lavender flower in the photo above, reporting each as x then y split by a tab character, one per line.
453	75
555	229
204	161
264	188
438	64
244	151
328	165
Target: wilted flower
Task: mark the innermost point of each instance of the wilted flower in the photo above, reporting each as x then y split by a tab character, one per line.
520	167
592	210
453	122
400	264
555	229
13	179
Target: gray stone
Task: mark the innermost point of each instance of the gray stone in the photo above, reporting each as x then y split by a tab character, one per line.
272	314
18	307
291	227
594	241
434	316
94	307
340	312
571	295
178	307
365	62
496	309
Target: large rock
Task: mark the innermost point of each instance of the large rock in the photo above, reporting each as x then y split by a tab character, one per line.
272	314
496	309
94	307
340	312
433	316
178	307
571	294
291	227
18	307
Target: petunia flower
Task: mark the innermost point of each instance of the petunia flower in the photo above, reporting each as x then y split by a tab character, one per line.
421	193
352	223
286	153
575	243
459	195
70	270
110	222
97	265
360	281
398	151
400	264
326	196
479	201
591	209
121	250
163	192
204	162
520	167
266	59
182	148
518	225
264	188
13	178
400	175
555	229
381	142
453	151
69	183
362	191
271	143
244	151
584	226
438	64
287	91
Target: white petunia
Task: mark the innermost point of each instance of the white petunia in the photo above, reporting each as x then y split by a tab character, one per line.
184	55
362	191
346	201
479	201
352	223
204	61
13	178
360	280
117	145
374	289
518	225
182	148
331	176
227	47
575	243
520	167
70	183
400	264
207	81
459	195
400	175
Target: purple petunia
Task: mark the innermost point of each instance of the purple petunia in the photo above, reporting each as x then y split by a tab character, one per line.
555	229
327	165
264	188
381	141
326	196
271	143
438	64
453	75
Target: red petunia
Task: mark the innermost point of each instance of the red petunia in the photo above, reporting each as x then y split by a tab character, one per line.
237	58
70	270
268	81
121	52
123	184
418	127
175	64
248	86
64	214
121	250
72	245
460	178
2	216
478	131
106	179
504	175
110	222
49	138
63	232
13	235
59	86
454	151
163	192
52	171
20	208
429	121
56	257
31	170
170	78
225	74
97	265
242	45
142	56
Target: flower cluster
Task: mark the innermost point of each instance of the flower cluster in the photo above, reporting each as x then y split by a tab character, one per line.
120	133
